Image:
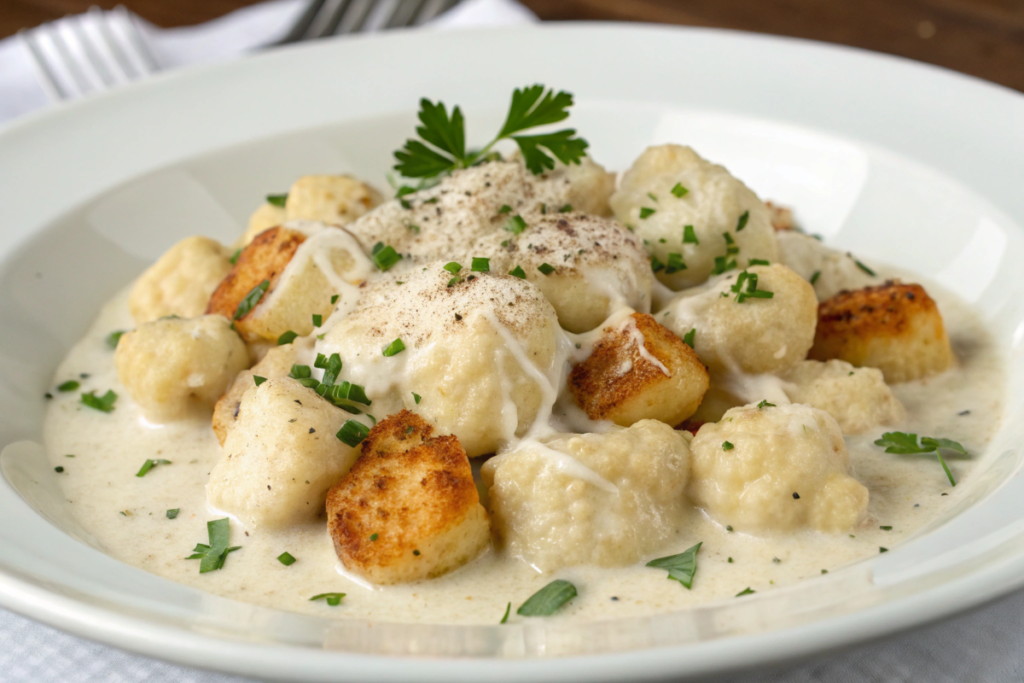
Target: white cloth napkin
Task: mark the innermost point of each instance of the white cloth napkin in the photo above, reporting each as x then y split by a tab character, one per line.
228	37
984	645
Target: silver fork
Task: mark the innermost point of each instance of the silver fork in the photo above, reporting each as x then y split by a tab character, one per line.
88	53
324	18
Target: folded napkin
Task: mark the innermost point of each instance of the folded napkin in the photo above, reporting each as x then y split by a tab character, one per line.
231	36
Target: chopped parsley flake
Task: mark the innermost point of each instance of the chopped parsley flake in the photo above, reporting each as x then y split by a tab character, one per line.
286	559
546	268
516	224
745	591
277	199
505	208
679	191
758	262
332	599
680	567
566	208
114	337
723	264
352	433
453	267
727	446
416	397
656	265
251	299
646	211
234	257
172	513
481	265
287	338
258	380
384	256
150	464
58	469
548	599
689	235
690	337
518	272
70	385
675	264
742	222
653	196
508	610
104	403
815	276
765	404
334	299
374	537
212	556
318	320
394	348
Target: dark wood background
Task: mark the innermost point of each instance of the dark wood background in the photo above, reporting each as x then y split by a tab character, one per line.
983	38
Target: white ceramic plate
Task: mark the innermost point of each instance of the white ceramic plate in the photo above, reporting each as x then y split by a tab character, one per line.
901	162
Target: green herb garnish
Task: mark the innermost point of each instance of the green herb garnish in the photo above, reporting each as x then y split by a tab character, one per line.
906	444
212	556
258	380
864	268
333	599
689	235
384	256
727	446
286	559
508	610
505	208
680	567
416	397
646	211
287	338
548	599
104	403
751	292
251	299
656	264
742	222
481	265
758	262
234	257
318	320
745	591
114	337
441	148
150	464
546	268
516	224
70	385
277	199
394	348
814	276
453	267
172	513
675	264
679	191
690	337
352	433
518	272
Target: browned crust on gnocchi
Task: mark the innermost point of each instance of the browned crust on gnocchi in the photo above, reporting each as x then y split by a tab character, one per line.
265	258
644	391
407	489
894	327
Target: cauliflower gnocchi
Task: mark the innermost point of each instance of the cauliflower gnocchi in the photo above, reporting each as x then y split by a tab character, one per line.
605	499
693	215
181	281
173	366
281	457
776	468
513	372
735	329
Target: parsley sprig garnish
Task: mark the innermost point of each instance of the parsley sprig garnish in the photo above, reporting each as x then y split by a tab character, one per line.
441	148
902	443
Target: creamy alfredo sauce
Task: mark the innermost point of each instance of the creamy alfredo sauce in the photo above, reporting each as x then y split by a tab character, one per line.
127	514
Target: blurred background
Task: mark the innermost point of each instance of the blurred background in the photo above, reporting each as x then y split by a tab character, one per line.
984	38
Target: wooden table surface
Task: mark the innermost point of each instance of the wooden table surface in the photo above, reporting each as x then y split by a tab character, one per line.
983	38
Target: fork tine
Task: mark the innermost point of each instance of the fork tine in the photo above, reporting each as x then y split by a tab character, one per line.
299	28
434	9
333	18
359	25
134	40
49	80
124	67
100	71
404	13
70	63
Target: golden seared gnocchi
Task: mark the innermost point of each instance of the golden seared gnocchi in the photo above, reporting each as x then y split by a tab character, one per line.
478	357
408	509
694	217
280	457
858	398
776	468
605	499
174	366
586	267
894	327
181	281
639	370
753	321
